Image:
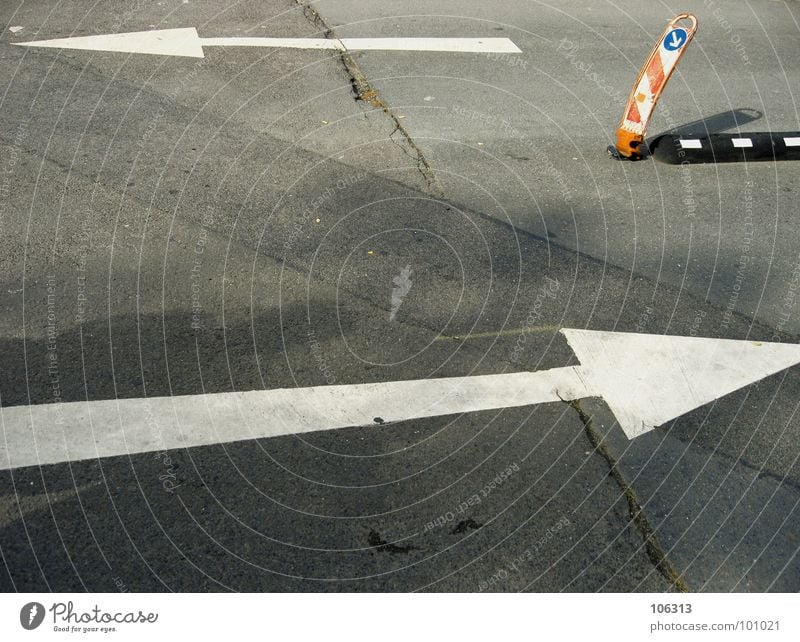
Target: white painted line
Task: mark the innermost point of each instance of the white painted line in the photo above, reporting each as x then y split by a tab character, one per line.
792	141
187	42
287	43
455	45
647	380
691	143
742	142
53	433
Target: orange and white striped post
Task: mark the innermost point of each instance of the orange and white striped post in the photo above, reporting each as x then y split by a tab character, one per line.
651	81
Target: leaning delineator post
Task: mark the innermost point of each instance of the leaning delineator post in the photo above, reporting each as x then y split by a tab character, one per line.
652	79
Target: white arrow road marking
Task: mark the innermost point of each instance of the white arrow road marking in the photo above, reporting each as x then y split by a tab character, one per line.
187	42
650	379
83	430
646	380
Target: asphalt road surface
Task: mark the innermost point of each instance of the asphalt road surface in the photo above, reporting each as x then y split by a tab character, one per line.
270	218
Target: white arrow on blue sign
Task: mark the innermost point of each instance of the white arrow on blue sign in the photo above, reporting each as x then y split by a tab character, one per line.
675	39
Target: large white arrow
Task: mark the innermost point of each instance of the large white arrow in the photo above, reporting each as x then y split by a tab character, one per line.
187	42
645	379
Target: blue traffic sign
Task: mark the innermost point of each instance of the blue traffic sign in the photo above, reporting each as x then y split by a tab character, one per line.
675	39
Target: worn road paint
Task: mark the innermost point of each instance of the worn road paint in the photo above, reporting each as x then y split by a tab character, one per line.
512	332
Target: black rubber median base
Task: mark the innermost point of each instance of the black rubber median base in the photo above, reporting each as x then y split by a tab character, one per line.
726	148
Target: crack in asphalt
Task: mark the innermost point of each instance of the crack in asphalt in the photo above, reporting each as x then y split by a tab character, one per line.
366	93
653	548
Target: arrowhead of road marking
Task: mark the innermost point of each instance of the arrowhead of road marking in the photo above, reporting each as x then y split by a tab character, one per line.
649	379
165	42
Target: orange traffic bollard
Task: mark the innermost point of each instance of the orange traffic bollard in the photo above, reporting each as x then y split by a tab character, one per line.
651	81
